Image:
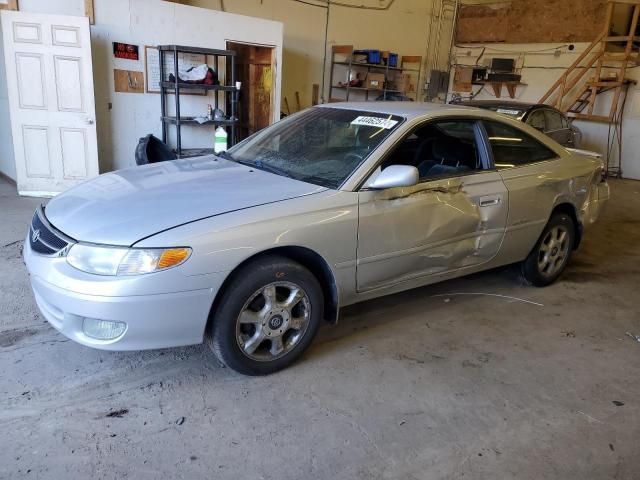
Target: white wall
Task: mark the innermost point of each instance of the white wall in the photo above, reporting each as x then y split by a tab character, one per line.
122	118
541	69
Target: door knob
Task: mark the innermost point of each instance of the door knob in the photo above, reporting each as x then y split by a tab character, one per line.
89	121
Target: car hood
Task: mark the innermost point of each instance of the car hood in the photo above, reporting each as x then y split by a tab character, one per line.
122	207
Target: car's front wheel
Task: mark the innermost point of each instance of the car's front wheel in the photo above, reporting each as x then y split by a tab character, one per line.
268	315
550	256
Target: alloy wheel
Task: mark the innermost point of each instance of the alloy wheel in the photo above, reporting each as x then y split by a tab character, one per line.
554	251
273	321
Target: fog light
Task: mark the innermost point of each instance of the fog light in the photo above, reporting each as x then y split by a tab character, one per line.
103	329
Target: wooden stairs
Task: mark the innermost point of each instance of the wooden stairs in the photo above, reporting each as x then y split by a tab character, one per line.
610	56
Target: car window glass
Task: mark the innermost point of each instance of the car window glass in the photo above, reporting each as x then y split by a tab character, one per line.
322	146
536	120
565	122
553	119
439	149
512	147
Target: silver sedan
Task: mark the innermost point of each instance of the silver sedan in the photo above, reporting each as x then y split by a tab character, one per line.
251	249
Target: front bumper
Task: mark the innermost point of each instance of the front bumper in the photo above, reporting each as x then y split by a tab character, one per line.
160	319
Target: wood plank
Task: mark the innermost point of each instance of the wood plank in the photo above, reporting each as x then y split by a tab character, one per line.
605	84
89	11
410	59
342	49
623	70
622	38
529	21
595	118
128	81
603	47
613	57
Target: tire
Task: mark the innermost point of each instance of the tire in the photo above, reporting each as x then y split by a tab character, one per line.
267	316
552	252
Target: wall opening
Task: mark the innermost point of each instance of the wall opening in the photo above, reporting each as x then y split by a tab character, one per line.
255	68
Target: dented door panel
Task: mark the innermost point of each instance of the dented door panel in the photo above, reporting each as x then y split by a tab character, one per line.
434	227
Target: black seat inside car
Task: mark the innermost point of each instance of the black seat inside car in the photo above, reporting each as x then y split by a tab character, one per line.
449	155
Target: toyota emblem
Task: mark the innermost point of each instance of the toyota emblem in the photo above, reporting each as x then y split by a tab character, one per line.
35	235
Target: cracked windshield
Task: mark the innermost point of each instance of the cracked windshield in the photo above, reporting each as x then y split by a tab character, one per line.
322	146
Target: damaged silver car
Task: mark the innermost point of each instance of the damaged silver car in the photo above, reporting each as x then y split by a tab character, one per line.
251	249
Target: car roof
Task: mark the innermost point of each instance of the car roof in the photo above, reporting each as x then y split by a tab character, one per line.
404	109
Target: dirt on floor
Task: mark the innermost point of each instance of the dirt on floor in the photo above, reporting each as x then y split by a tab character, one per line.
479	378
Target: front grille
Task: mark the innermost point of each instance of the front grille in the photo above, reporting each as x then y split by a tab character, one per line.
43	238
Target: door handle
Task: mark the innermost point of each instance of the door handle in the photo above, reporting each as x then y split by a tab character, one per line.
489	201
88	121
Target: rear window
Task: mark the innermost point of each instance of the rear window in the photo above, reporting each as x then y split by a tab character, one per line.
554	120
513	148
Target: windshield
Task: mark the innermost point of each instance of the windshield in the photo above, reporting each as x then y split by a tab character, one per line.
322	146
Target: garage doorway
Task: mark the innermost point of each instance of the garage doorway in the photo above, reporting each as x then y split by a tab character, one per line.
255	68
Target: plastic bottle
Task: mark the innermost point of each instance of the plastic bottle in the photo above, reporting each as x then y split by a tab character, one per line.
220	144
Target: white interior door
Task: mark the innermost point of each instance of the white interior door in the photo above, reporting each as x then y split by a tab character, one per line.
51	100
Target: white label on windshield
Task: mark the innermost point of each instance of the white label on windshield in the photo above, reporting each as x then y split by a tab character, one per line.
375	122
508	112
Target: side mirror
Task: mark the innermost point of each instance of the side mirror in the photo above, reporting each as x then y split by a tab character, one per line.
396	176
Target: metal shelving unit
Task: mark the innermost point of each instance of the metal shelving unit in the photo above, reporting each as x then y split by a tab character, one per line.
230	94
352	66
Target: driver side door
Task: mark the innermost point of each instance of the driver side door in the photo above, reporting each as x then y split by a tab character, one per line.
452	219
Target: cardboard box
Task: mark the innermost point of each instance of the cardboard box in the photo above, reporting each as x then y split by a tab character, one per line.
462	79
375	81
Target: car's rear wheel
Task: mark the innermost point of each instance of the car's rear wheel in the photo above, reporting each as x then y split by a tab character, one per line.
552	252
267	317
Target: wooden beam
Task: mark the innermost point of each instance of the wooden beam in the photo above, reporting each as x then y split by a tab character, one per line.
10	5
619	57
613	83
511	88
88	11
623	70
595	118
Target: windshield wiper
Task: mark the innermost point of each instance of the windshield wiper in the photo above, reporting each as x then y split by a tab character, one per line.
270	168
226	155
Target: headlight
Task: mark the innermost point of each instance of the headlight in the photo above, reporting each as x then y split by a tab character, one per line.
124	261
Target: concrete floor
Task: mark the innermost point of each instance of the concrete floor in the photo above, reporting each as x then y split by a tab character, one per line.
412	386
